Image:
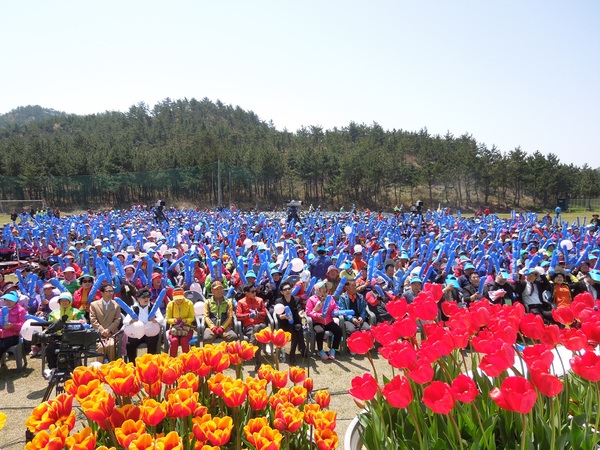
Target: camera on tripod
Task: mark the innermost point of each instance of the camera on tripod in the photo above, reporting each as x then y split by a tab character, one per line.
292	210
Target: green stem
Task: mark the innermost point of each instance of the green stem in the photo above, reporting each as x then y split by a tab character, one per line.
458	436
370	358
417	427
597	406
524	433
552	423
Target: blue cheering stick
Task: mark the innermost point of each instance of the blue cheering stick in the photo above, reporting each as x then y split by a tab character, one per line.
188	268
384	276
553	262
157	303
481	285
4	316
96	286
57	284
379	291
118	266
583	256
326	305
230	292
296	289
125	307
21	281
340	288
149	267
311	285
427	274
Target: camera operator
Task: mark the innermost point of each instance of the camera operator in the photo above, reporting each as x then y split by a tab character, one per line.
142	308
159	215
65	309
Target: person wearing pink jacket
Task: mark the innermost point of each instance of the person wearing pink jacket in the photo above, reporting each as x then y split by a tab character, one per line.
322	317
13	318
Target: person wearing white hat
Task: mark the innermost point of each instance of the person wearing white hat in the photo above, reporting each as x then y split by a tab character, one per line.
70	281
12	318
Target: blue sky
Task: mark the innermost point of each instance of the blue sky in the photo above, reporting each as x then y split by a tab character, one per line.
511	73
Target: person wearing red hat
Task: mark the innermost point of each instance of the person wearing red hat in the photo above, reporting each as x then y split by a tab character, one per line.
156	286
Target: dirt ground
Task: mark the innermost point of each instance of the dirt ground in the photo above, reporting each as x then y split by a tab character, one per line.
20	394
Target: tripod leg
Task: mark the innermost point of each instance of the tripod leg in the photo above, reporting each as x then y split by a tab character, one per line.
51	385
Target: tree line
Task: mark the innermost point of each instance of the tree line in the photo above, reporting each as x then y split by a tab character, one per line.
171	150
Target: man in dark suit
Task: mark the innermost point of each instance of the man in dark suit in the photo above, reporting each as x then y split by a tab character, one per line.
105	316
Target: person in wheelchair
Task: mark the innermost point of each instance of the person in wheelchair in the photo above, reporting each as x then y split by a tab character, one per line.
65	301
251	311
142	307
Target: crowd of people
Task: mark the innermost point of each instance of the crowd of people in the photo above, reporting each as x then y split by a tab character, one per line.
236	273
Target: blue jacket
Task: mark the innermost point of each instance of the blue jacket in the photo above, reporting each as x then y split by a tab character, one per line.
344	303
319	265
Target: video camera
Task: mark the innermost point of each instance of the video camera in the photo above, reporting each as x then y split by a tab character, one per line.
75	335
294	203
292	210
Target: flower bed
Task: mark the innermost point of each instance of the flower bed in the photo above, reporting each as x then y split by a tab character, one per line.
187	403
432	403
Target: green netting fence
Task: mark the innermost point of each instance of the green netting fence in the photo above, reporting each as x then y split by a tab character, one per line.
198	185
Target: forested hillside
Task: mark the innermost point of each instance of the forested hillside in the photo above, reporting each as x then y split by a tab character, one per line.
171	150
26	114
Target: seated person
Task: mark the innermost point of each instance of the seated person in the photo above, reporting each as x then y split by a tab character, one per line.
65	300
323	320
376	303
352	300
218	316
180	317
142	307
105	316
251	312
500	283
11	324
295	328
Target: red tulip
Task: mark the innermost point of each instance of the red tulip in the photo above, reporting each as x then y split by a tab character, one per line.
434	290
398	392
563	315
587	366
424	307
503	358
539	353
360	342
547	384
591	328
449	308
384	333
364	388
438	397
532	326
573	339
421	372
480	313
515	394
397	308
399	354
551	335
583	304
464	389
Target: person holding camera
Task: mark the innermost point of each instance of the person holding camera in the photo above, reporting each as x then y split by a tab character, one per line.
105	316
65	309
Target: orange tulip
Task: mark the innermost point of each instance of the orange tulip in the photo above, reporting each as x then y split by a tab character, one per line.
256	384
188	380
153	412
122	379
171	441
265	372
172	371
297	375
182	403
258	399
192	360
266	439
198	427
104	447
218	359
278	398
264	336
322	398
326	439
56	412
83	391
148	368
218	430
53	440
98	407
310	411
288	418
83	375
84	440
325	419
143	442
129	431
281	338
308	384
126	412
297	395
201	410
210	447
215	383
255	425
234	393
280	379
243	350
153	389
